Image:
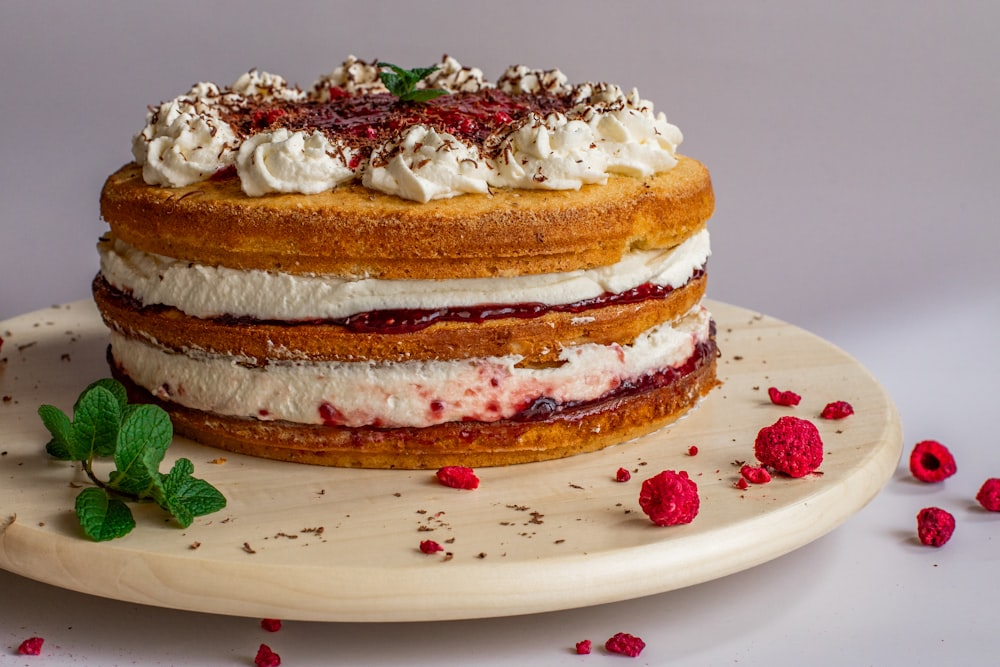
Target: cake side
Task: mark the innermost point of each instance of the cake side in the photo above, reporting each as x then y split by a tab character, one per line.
353	231
578	430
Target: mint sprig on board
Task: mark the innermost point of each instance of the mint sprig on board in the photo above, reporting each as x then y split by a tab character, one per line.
135	437
403	82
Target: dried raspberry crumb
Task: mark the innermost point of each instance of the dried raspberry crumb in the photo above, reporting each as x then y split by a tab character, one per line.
458	477
266	657
930	461
837	410
430	547
31	646
693	450
625	644
790	445
786	398
755	475
270	624
742	484
669	498
935	526
989	494
623	475
583	647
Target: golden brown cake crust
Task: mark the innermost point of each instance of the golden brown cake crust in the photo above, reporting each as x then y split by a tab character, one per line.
506	442
538	340
352	231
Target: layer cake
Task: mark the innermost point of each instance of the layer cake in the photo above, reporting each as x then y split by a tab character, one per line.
492	273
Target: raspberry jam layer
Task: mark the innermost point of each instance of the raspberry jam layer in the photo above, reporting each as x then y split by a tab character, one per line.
546	408
411	320
402	321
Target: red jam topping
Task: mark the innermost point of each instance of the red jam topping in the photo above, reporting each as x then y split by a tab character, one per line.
362	122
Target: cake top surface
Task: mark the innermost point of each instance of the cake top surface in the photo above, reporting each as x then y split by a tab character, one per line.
431	133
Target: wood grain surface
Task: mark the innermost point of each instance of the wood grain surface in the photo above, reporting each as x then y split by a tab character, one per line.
311	543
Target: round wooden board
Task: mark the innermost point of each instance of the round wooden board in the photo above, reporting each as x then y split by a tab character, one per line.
310	543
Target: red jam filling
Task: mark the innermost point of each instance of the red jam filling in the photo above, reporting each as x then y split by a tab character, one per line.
547	408
410	320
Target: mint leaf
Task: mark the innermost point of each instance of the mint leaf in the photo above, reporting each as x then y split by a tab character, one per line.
137	438
102	517
143	439
424	94
402	82
116	388
59	425
186	497
96	418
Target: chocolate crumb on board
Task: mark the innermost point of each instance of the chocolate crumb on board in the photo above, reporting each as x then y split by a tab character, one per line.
247	548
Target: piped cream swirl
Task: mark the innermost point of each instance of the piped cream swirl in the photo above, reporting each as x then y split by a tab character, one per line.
607	131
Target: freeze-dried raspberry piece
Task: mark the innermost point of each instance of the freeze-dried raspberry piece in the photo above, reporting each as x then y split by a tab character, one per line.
669	498
693	450
790	445
837	410
755	475
31	646
989	494
270	624
786	398
583	647
430	547
625	644
742	484
266	657
934	526
930	461
623	475
458	477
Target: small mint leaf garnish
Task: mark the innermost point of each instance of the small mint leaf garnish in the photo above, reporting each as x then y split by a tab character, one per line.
186	497
136	437
102	517
403	82
61	428
114	386
95	424
143	439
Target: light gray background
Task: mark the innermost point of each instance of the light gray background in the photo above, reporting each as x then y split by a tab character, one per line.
855	155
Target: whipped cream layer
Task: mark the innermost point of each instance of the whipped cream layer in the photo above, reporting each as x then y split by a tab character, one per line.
213	291
598	130
411	393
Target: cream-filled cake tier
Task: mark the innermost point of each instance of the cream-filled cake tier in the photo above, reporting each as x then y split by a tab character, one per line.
506	272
